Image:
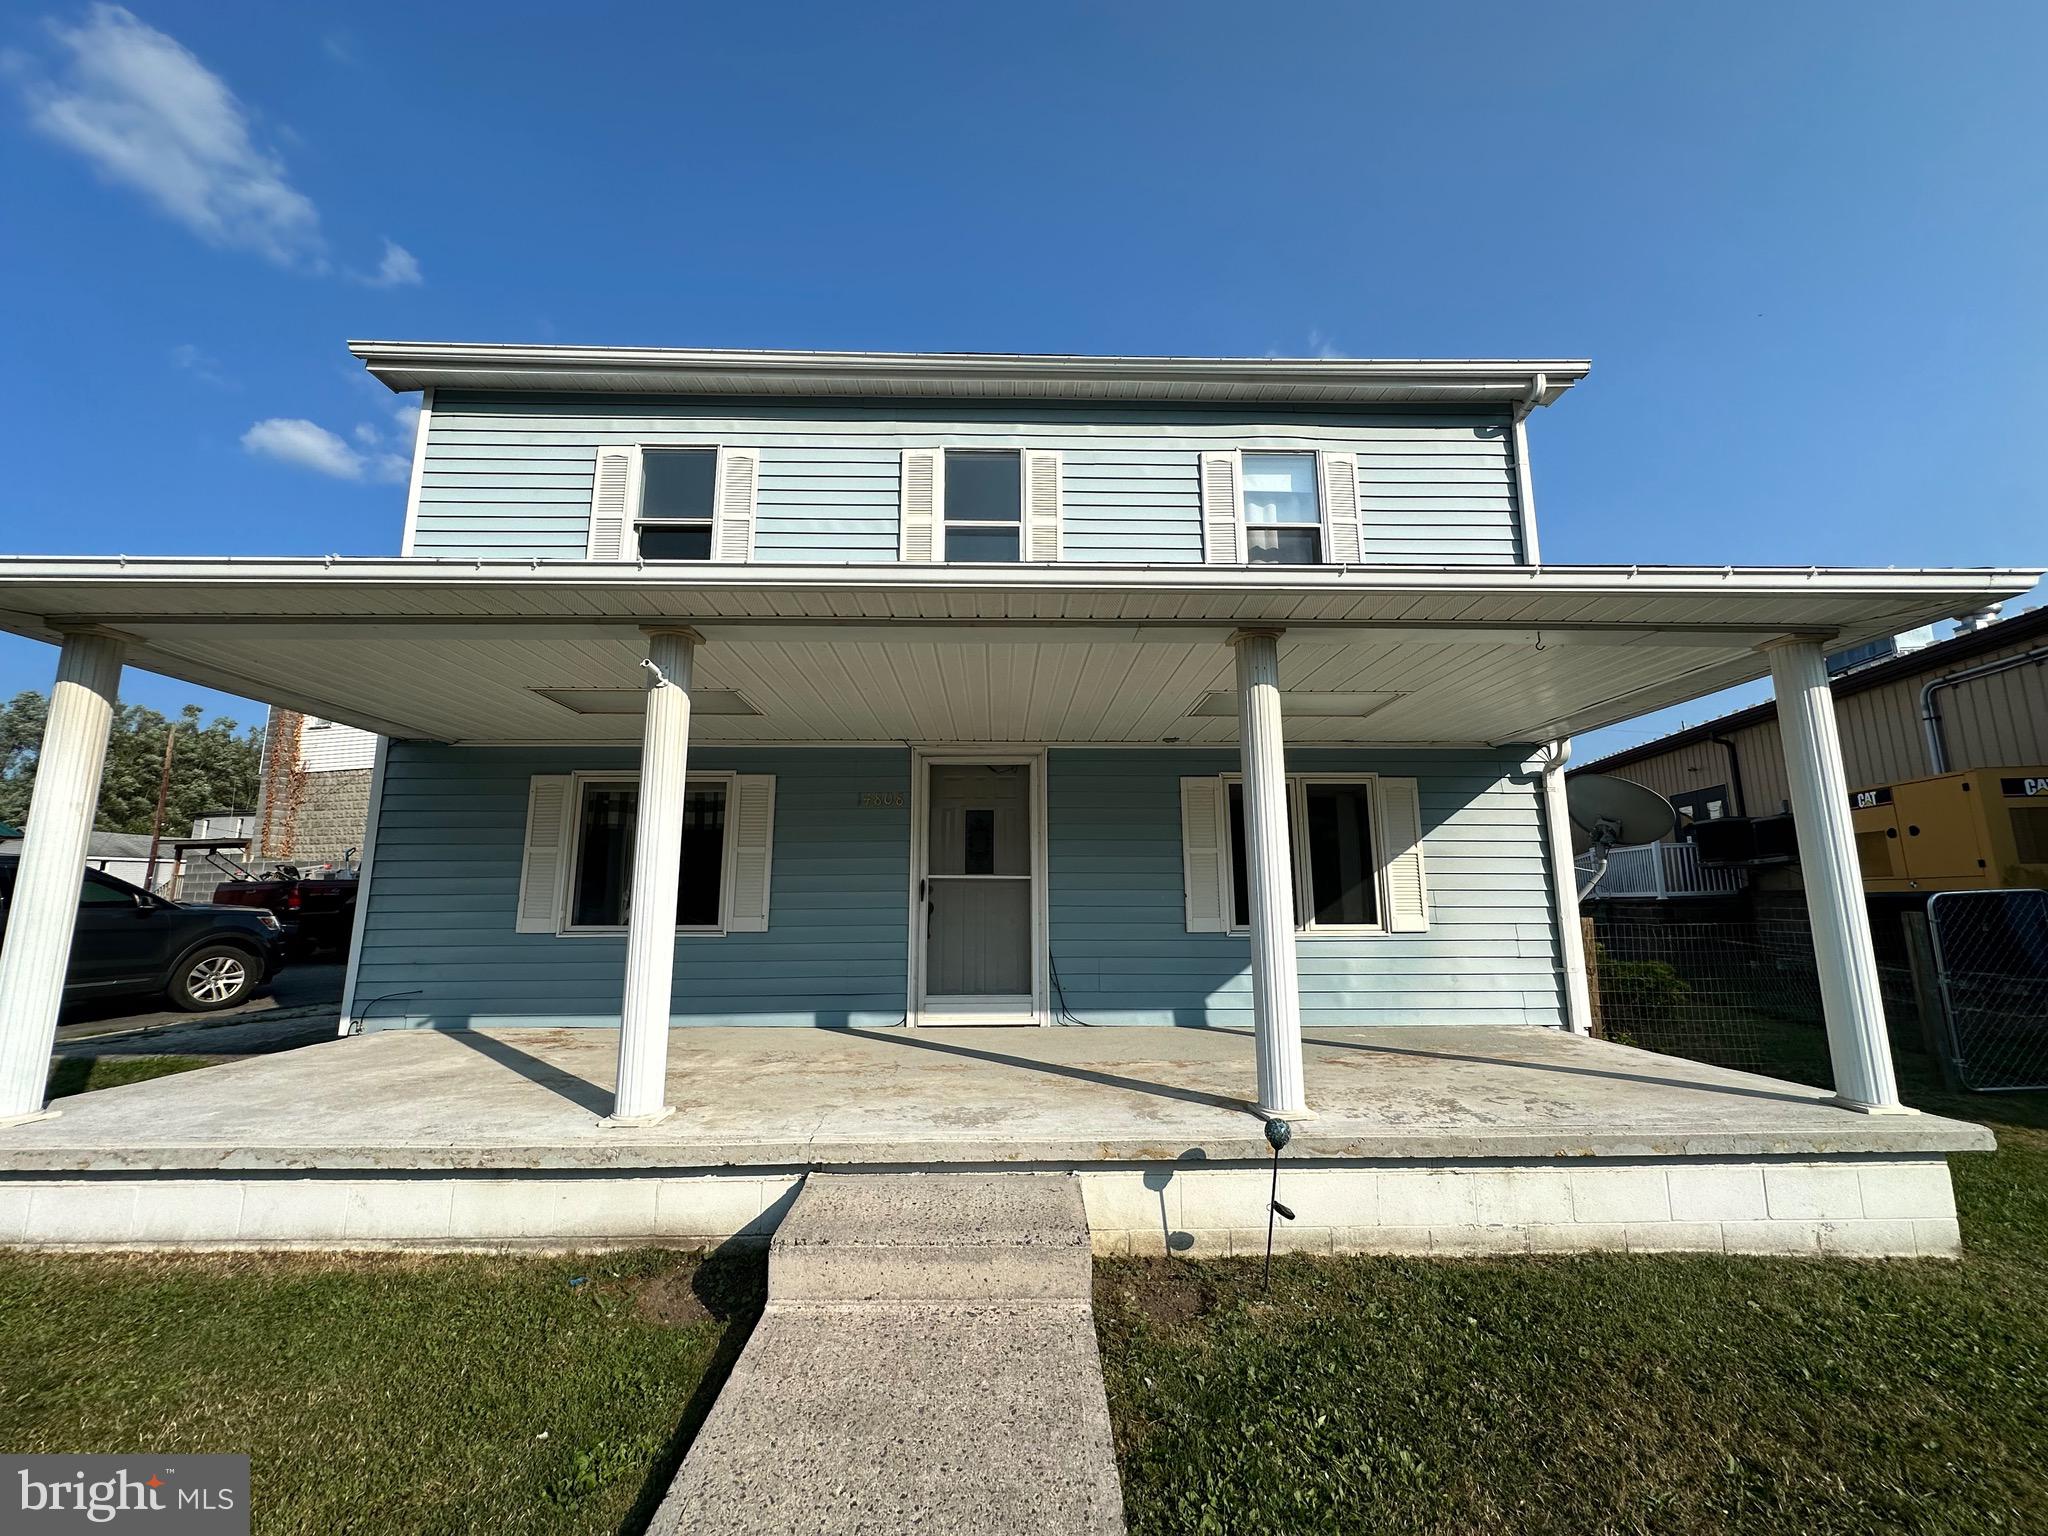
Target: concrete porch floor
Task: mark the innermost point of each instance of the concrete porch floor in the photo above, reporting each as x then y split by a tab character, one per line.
794	1099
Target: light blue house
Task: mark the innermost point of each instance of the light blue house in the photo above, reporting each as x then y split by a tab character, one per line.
945	822
1189	698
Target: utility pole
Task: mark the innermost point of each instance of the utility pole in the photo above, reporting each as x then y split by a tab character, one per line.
156	825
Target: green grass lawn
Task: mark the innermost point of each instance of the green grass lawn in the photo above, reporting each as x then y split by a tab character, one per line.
83	1074
1601	1394
397	1394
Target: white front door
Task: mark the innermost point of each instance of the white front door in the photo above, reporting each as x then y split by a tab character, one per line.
979	893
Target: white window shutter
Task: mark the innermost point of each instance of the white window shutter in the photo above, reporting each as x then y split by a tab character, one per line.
1041	506
1343	534
1222	508
923	497
739	485
546	851
753	814
1201	854
614	500
1400	809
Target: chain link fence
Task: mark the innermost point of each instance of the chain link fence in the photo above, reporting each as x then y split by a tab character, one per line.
1991	960
1740	993
1743	991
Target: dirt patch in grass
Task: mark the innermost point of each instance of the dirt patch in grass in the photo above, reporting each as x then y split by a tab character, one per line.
1167	1296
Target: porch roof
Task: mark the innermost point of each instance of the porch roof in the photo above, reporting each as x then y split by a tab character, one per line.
517	651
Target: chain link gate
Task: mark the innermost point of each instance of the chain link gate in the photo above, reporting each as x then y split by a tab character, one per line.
1991	958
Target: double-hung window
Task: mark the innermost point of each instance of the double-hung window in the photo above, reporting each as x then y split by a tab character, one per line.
1333	849
678	503
984	505
1283	516
601	860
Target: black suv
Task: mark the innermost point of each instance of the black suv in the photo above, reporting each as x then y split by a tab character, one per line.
201	958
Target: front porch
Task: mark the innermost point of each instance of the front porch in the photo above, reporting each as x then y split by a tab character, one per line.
1446	1140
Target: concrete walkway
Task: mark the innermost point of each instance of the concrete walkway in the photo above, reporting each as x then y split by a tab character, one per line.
926	1362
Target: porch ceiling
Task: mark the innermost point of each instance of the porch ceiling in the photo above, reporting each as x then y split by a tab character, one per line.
456	650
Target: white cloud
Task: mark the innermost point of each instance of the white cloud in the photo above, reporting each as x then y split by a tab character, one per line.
143	110
399	268
150	116
202	365
308	445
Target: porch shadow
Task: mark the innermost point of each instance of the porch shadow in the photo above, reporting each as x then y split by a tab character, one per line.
1539	1066
1057	1069
579	1091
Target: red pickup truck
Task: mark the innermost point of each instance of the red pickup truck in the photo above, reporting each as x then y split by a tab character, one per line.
316	909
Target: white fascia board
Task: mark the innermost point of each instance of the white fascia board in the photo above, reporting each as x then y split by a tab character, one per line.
403	365
20	572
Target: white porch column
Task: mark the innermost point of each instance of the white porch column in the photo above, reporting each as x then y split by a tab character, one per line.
44	909
1269	876
1857	1043
657	865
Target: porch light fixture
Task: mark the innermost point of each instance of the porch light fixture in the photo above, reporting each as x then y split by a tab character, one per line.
1299	705
631	701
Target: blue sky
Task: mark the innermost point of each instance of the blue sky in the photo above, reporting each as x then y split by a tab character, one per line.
1802	244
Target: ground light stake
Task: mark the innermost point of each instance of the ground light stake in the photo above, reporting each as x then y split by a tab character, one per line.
1278	1134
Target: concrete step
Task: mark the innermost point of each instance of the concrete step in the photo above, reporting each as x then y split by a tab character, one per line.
933	1237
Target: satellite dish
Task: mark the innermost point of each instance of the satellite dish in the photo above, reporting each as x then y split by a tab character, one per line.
1614	813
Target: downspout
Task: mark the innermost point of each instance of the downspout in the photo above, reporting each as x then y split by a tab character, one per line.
1564	879
1525	490
1734	773
1930	713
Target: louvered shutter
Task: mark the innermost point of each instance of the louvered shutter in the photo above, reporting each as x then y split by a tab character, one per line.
1400	809
739	476
1343	535
1042	507
753	814
1201	854
614	498
1222	509
918	514
545	852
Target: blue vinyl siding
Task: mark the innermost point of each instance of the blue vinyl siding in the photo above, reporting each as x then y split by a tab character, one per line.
439	943
439	947
510	475
1119	933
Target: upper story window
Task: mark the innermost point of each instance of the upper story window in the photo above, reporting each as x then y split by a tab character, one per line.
984	505
678	503
1283	517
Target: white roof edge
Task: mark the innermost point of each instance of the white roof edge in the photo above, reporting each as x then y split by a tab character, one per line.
19	570
405	365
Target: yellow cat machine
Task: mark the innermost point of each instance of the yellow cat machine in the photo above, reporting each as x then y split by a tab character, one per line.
1981	830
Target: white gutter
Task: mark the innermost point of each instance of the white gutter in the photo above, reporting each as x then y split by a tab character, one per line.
1525	485
1930	714
1564	879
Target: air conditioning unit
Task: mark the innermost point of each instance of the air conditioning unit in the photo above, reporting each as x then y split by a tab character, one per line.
1745	841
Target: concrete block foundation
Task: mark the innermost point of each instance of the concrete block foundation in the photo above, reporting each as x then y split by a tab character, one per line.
1863	1206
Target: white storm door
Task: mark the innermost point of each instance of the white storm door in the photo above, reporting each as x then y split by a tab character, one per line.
979	898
